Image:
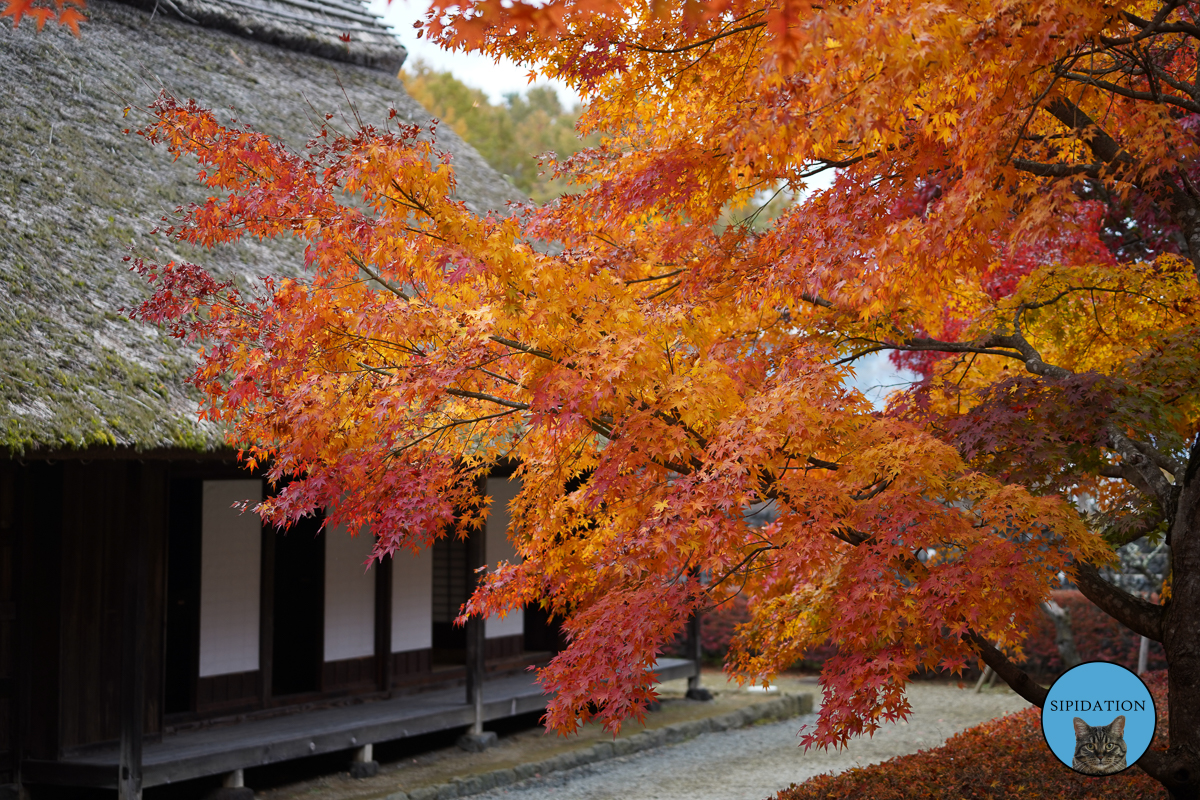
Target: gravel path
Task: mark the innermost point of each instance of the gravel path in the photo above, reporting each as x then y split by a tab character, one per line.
754	763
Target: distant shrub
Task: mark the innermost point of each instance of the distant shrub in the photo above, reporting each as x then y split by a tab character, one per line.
718	626
1006	757
1098	637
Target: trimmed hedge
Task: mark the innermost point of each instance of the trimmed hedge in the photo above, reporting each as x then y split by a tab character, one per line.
1006	757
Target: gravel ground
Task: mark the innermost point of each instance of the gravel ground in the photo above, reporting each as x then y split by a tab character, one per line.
754	763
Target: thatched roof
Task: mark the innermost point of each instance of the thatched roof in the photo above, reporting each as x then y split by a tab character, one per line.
342	30
76	193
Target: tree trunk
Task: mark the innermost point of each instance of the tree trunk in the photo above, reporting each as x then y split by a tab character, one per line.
1181	642
1064	638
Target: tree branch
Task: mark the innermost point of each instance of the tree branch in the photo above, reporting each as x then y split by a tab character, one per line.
1056	170
1170	768
694	45
361	264
500	401
1133	94
982	347
1009	672
1103	146
1149	27
1161	461
1125	473
1161	490
1140	616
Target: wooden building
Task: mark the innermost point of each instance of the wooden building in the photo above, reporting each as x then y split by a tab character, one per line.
149	634
151	615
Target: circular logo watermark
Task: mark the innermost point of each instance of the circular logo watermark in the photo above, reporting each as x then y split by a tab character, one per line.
1098	718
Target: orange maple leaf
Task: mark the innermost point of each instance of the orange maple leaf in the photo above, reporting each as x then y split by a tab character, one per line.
41	14
17	9
71	18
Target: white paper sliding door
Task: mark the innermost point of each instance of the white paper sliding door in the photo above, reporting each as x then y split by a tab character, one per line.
498	548
412	600
349	596
230	572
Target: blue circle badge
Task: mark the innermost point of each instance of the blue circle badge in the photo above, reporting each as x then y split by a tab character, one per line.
1098	718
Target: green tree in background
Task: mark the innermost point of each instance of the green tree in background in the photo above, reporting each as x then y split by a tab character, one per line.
509	136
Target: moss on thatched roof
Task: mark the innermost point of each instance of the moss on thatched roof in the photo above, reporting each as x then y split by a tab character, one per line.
76	194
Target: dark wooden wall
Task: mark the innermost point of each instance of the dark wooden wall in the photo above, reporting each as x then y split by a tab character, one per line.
105	507
78	525
350	675
39	535
542	633
68	530
411	665
236	691
503	647
8	623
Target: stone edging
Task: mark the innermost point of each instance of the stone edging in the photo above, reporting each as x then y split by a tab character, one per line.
783	707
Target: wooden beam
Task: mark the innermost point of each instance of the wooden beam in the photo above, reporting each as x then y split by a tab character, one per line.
66	773
97	453
266	617
8	617
133	641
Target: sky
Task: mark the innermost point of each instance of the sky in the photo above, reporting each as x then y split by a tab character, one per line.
480	72
875	376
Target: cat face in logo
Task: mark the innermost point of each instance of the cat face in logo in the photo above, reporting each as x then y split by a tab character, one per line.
1099	749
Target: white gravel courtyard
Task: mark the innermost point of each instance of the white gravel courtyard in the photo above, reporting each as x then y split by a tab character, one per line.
754	763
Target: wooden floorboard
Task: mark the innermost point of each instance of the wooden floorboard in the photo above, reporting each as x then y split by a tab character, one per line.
221	749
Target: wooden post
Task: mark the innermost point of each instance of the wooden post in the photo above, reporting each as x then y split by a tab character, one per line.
476	632
476	638
695	691
475	670
476	739
133	642
693	649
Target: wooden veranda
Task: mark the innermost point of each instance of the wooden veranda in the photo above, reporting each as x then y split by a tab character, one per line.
223	749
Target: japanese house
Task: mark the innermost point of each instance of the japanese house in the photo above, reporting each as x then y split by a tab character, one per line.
149	634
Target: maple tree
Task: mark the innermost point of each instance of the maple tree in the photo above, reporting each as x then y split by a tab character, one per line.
1014	195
